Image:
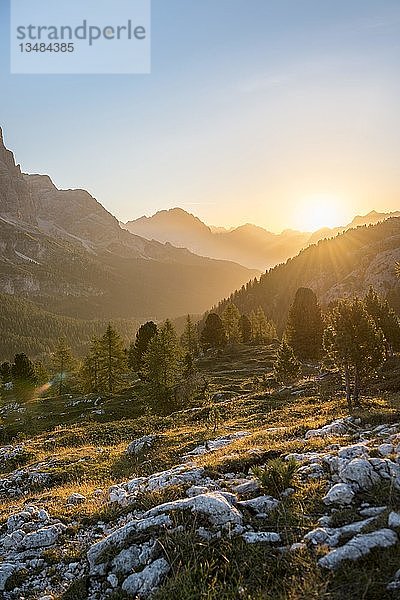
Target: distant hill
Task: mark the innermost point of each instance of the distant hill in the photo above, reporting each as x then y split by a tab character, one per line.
61	250
334	268
249	245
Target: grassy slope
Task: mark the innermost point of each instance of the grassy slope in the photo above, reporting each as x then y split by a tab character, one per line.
85	452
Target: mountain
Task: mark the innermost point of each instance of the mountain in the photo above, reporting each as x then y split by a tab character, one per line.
249	245
334	268
63	251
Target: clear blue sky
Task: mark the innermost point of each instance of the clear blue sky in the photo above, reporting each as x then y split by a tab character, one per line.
254	109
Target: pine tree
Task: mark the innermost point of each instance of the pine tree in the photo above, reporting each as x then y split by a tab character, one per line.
230	319
42	374
112	362
23	370
262	330
90	370
305	327
385	319
139	347
190	338
63	365
5	373
213	334
245	329
286	367
354	343
163	361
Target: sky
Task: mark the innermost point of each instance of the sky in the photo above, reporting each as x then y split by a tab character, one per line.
283	113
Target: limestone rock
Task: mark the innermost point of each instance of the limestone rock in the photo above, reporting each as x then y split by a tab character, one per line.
358	547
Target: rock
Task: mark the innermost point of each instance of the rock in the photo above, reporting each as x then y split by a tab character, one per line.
133	557
372	511
394	520
385	449
76	498
358	547
261	537
101	553
340	493
354	451
394	585
331	536
112	580
360	474
212	445
140	445
47	536
338	427
6	571
196	490
213	505
262	504
247	487
144	583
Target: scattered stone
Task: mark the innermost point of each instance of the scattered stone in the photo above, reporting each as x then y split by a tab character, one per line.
261	537
145	582
341	494
76	499
140	445
262	504
394	520
359	546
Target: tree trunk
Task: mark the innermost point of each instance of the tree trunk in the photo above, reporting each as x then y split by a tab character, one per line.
348	387
356	387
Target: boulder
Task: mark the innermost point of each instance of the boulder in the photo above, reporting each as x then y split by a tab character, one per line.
76	498
261	537
140	445
47	536
394	520
6	571
213	505
359	546
341	494
144	583
261	504
360	474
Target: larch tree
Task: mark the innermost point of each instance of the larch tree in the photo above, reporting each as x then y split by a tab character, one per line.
91	368
263	331
305	325
231	319
385	319
287	368
112	360
355	345
190	338
213	334
163	361
63	365
139	347
245	329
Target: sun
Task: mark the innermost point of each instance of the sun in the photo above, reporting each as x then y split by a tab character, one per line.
318	211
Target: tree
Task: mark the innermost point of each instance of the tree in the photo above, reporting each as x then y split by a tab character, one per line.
5	372
305	327
112	361
90	370
286	367
245	329
385	319
23	370
162	363
190	338
63	365
213	334
262	330
230	320
42	374
354	343
139	347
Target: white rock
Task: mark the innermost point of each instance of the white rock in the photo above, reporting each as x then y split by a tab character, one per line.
372	511
101	553
112	580
213	505
264	537
6	570
212	445
385	449
340	493
141	444
247	487
47	536
76	498
394	519
395	583
338	427
144	583
360	474
331	536
262	504
354	451
358	547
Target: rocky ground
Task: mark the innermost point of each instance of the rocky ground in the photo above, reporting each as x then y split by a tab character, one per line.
128	554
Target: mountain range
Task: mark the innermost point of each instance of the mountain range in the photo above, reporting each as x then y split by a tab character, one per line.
249	245
62	250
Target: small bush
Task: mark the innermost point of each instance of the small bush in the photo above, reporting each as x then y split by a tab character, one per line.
277	475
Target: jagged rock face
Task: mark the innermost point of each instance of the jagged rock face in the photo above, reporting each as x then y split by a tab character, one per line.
15	197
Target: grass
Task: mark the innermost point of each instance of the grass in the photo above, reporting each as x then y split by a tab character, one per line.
85	452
